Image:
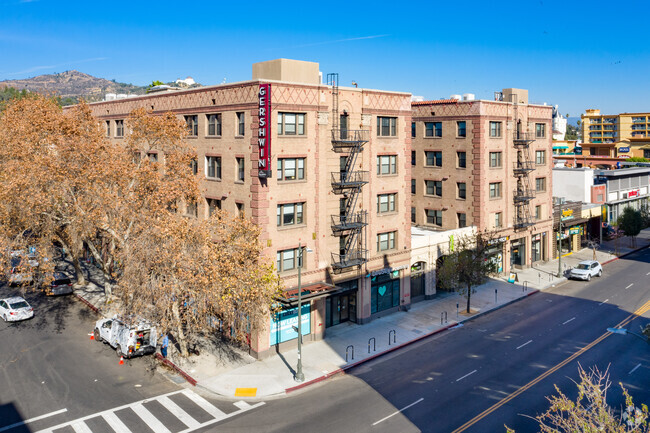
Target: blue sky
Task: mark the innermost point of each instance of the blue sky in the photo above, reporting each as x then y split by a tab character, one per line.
575	54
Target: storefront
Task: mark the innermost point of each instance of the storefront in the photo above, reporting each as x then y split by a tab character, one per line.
341	307
384	290
538	247
418	281
495	252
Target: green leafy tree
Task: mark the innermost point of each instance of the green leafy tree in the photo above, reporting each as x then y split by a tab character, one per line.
631	222
590	411
467	264
636	159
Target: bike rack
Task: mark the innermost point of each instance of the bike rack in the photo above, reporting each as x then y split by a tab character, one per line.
389	332
374	344
524	286
442	314
346	352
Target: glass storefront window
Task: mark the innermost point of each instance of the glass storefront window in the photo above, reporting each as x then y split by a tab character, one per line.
384	293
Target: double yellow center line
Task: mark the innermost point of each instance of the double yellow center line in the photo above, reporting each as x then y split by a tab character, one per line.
643	309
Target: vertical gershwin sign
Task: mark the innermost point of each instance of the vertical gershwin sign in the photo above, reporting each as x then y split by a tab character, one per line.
264	131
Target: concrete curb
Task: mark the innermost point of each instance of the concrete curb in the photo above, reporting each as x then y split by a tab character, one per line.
399	346
88	304
176	368
626	254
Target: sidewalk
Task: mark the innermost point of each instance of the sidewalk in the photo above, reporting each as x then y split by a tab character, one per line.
350	344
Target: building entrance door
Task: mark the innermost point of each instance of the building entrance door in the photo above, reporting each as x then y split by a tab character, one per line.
341	308
518	252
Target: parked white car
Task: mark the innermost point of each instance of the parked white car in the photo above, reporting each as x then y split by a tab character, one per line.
15	309
585	270
129	336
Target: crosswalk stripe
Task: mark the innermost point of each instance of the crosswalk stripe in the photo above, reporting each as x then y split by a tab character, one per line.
179	413
149	419
241	404
115	423
205	405
80	427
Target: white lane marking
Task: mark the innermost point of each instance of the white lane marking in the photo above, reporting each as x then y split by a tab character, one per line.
401	410
603	302
242	404
629	286
634	369
573	318
204	404
80	427
149	419
36	418
648	273
231	414
115	423
461	378
528	342
179	413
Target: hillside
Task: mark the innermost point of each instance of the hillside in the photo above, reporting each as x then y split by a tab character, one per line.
70	86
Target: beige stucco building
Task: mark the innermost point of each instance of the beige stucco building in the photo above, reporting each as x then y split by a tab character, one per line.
616	135
337	184
486	164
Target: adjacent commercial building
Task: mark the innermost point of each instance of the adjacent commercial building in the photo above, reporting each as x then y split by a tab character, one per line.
616	135
323	170
486	164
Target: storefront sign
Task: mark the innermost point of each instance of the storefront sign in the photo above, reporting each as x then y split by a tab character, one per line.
634	193
623	149
574	231
387	271
264	131
500	240
603	212
282	324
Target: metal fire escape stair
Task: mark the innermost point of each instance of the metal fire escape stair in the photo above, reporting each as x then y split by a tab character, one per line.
523	194
350	225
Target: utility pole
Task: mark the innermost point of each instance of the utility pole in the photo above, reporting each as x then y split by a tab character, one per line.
559	245
300	377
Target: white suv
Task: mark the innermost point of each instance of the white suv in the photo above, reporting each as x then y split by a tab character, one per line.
585	270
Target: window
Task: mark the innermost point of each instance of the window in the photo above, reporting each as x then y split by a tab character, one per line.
461	129
191	209
433	159
495	190
153	156
214	124
291	124
291	169
540	157
386	203
433	129
646	153
495	129
540	130
386	241
287	260
498	219
240	210
433	187
192	123
213	205
462	159
240	169
413	157
119	128
413	129
462	220
540	184
194	166
434	217
462	190
538	212
241	126
412	186
413	215
386	126
495	159
386	164
290	214
108	128
213	167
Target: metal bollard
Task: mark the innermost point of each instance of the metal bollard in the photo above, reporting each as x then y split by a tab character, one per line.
374	344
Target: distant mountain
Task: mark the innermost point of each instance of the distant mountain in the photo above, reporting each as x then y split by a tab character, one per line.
71	86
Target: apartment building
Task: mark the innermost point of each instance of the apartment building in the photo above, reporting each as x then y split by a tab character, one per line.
322	169
617	135
487	164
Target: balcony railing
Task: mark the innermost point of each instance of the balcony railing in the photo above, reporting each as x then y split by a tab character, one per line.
353	257
347	138
523	167
523	222
350	179
523	195
342	223
523	137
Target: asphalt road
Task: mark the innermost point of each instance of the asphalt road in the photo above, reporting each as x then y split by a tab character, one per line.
493	371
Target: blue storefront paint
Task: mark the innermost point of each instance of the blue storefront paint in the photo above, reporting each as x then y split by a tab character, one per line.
282	324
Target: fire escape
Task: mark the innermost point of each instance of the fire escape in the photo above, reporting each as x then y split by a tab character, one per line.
350	224
523	194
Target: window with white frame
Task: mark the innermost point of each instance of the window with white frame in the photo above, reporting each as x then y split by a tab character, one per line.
498	219
386	241
291	169
540	184
214	124
386	164
241	123
240	169
386	126
213	167
540	130
540	157
538	212
287	259
495	159
495	129
386	203
495	190
291	124
290	214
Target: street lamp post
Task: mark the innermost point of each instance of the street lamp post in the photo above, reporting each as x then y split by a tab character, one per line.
299	377
624	331
559	246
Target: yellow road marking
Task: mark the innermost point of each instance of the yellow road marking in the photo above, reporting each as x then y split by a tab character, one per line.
644	308
245	392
